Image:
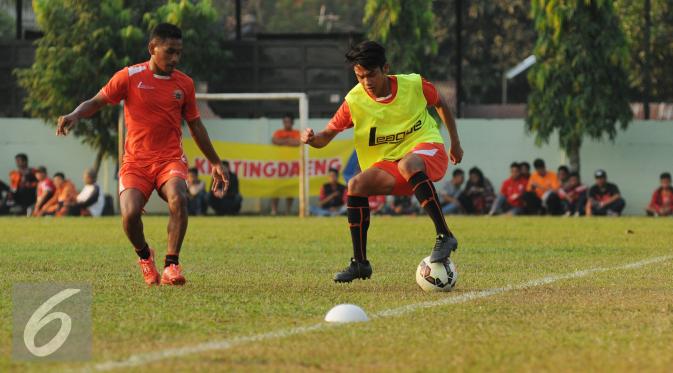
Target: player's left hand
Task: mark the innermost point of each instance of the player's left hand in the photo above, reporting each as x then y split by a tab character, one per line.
455	153
220	180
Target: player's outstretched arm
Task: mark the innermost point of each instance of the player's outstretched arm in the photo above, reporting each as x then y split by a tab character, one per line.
84	110
318	140
456	152
220	176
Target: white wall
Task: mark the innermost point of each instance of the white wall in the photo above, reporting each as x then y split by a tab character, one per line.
633	162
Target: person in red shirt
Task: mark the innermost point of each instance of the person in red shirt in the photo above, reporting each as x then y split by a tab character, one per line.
511	193
157	98
287	136
573	195
662	198
45	189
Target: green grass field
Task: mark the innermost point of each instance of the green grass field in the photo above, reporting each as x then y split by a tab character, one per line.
248	276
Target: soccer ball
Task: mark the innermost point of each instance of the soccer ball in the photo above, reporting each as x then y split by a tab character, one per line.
436	276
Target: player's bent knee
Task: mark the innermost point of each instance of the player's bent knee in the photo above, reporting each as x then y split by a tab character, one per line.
177	202
354	185
409	166
131	213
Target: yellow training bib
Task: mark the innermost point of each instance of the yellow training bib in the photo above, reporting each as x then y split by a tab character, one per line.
388	131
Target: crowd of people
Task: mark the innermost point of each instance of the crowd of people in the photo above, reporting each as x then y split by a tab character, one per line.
32	192
541	192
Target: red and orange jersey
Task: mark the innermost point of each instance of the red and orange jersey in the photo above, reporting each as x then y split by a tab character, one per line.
283	134
342	118
154	107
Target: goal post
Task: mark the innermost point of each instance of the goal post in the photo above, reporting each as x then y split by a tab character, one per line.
302	100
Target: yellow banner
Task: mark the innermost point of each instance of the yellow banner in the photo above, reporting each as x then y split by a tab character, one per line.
271	170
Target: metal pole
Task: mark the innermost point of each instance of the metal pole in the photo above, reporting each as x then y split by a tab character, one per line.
303	159
238	19
459	56
647	78
19	19
120	147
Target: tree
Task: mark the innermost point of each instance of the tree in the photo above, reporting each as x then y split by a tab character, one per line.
406	28
579	83
86	42
632	16
497	35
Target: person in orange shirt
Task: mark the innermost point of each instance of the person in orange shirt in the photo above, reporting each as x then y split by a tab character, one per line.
157	98
542	191
65	194
285	137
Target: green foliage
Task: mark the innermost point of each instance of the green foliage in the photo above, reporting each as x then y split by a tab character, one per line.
497	35
7	29
405	28
201	34
580	82
86	42
632	15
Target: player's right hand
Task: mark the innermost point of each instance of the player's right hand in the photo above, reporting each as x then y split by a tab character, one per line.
307	136
65	124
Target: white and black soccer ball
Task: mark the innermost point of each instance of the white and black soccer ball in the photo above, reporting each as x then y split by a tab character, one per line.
440	276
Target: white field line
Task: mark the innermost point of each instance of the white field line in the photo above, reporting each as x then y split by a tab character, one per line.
150	357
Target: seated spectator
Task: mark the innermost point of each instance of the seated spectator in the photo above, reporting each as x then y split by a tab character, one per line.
332	200
230	203
448	195
22	186
510	199
196	193
377	205
525	170
573	195
542	191
604	197
662	198
403	205
562	174
90	201
64	196
4	195
478	195
45	189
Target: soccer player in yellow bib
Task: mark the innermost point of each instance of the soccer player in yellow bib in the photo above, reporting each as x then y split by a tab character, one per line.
398	144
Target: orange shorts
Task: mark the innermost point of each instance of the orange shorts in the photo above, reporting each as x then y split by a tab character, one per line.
436	162
148	177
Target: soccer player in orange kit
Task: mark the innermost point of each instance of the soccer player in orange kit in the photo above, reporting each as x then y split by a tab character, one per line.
157	97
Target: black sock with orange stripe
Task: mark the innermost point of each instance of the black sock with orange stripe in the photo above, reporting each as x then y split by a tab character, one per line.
358	221
427	196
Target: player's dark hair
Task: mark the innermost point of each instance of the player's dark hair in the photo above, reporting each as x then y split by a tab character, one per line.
165	31
665	175
574	174
514	164
480	175
524	164
457	172
60	174
42	169
563	168
335	170
194	170
289	115
368	54
225	163
23	157
538	163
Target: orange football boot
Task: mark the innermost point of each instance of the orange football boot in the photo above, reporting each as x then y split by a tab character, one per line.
172	275
150	273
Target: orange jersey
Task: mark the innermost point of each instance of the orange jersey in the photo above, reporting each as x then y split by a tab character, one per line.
154	107
283	134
